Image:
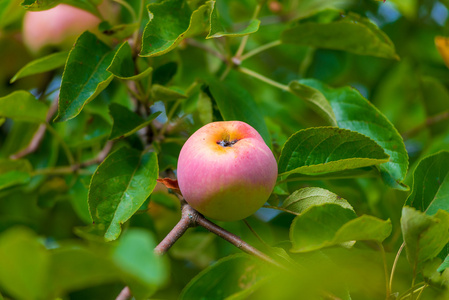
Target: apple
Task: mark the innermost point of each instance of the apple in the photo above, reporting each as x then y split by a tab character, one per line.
58	25
226	171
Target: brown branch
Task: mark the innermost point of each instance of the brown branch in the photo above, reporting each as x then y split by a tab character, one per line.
39	135
235	240
125	294
427	123
191	218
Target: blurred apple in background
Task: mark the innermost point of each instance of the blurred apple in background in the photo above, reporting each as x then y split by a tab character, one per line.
61	24
226	171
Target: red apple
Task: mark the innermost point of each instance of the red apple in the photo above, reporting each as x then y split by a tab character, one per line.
60	24
226	171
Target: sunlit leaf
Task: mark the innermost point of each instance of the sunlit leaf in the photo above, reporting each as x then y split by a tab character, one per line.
21	105
302	199
217	29
134	255
41	65
74	268
315	100
85	75
25	264
328	149
170	22
331	224
233	276
119	186
355	113
349	32
10	11
431	184
424	235
123	67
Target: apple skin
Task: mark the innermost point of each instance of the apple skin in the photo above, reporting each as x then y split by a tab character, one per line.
226	183
58	25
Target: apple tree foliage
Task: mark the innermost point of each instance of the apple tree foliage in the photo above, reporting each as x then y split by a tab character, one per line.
351	96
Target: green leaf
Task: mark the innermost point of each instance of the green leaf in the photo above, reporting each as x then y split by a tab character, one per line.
316	227
127	122
25	263
349	32
355	113
170	22
304	198
119	186
134	255
163	74
331	224
444	265
431	184
41	65
38	5
424	235
74	268
85	75
232	277
10	11
21	105
236	103
14	172
217	29
123	67
162	93
328	149
315	100
120	31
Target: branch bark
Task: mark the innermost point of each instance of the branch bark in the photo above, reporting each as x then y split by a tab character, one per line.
39	135
191	218
427	123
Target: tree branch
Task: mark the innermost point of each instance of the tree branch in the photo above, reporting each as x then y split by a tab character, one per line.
39	135
188	219
427	123
191	218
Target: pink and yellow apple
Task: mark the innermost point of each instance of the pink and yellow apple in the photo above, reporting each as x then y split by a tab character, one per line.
226	171
58	25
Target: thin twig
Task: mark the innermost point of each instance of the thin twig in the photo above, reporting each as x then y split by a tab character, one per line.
387	280
255	234
393	268
281	209
415	288
125	294
241	48
260	49
39	135
263	78
191	218
100	157
427	123
235	240
62	143
77	167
